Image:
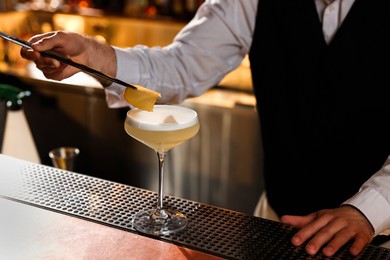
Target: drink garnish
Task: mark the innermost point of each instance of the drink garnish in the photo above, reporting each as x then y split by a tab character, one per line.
141	97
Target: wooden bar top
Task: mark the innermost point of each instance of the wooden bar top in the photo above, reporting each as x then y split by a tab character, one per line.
29	232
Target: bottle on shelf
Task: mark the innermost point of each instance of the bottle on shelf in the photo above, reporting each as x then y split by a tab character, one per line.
176	9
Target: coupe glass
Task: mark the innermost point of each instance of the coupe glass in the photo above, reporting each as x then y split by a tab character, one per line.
164	128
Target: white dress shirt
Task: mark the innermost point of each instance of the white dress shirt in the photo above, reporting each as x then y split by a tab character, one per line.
332	15
213	44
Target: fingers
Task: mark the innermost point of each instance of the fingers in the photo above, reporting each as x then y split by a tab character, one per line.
58	73
48	41
51	68
332	235
39	37
306	225
298	221
340	239
316	226
34	54
47	63
335	239
43	42
360	243
330	230
29	54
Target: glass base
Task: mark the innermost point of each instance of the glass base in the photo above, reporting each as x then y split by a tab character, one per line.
159	222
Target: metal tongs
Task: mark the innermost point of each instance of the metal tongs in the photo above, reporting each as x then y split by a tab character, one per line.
65	60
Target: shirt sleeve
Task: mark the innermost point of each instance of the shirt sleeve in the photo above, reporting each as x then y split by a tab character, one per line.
211	45
373	199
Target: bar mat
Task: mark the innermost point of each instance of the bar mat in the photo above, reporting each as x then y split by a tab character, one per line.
217	231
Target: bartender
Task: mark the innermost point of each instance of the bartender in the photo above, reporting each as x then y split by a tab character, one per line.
319	71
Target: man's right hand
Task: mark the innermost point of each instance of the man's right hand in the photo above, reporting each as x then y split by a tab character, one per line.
81	49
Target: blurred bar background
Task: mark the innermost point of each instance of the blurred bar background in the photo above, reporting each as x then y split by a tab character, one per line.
221	166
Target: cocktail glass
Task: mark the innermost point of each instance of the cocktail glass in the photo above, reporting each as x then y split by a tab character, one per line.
164	128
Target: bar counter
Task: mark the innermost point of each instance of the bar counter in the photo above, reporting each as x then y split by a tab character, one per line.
48	213
37	233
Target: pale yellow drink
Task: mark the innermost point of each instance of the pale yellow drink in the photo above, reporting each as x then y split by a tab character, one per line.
164	128
161	130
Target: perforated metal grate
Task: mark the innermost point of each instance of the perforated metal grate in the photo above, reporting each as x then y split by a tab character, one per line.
213	230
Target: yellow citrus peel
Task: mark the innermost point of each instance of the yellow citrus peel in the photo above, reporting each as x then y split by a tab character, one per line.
141	97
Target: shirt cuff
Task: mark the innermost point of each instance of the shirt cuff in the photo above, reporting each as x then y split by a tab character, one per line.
127	66
374	206
127	71
114	96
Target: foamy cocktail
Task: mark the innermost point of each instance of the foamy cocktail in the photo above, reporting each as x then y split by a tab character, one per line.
164	128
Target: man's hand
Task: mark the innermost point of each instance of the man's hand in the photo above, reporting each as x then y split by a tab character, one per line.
82	49
331	228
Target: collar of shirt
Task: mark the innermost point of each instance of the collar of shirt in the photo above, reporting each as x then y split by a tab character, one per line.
332	15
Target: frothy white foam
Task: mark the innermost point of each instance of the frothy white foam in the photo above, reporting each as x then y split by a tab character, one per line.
163	118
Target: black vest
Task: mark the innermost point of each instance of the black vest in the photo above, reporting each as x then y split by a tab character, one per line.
324	109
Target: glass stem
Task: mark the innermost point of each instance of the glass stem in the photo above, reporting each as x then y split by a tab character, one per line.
161	158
